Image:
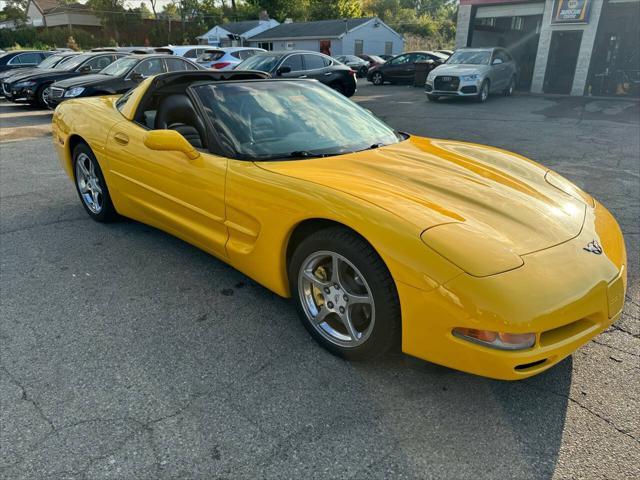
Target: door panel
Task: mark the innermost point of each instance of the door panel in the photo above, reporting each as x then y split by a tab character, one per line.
168	190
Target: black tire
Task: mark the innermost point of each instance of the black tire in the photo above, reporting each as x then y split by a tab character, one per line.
385	333
432	98
337	87
107	212
363	72
377	78
41	95
512	86
483	94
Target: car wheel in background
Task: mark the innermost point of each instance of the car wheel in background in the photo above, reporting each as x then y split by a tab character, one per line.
91	186
377	78
337	87
42	96
483	94
512	86
344	294
432	98
362	72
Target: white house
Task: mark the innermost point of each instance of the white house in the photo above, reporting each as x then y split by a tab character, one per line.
52	13
220	35
352	36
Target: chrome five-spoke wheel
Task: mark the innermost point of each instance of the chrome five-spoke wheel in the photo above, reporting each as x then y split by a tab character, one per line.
336	299
89	183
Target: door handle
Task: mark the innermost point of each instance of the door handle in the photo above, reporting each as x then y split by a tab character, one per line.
302	76
121	138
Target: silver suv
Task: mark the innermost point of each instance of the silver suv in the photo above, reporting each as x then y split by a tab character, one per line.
473	72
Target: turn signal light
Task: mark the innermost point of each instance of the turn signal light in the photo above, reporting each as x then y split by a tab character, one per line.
499	340
220	65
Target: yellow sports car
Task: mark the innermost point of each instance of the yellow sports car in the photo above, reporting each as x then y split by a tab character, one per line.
463	255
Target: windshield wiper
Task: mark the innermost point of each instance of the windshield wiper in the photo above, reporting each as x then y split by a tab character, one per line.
307	154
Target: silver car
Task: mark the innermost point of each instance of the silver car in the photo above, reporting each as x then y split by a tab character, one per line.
473	72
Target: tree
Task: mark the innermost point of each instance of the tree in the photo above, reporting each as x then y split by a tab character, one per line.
15	10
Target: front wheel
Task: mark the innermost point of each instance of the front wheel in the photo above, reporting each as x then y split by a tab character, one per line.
432	98
42	96
344	294
377	78
483	94
91	186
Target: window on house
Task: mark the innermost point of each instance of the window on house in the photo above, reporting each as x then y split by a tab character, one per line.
388	48
265	46
358	47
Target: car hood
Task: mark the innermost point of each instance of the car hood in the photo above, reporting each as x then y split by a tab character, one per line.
84	80
42	73
497	194
18	71
461	69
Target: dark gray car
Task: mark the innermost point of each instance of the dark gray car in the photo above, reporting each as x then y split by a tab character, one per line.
473	72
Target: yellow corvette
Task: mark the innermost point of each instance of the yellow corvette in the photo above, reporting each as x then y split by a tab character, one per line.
464	255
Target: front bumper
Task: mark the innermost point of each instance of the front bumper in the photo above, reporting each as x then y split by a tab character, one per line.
563	294
16	94
464	88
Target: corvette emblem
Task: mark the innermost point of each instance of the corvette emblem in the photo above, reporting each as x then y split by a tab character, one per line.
593	247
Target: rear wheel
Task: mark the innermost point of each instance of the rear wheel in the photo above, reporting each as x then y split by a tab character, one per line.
377	78
344	294
91	186
337	87
512	86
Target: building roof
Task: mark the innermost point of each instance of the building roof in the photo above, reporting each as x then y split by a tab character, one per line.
317	29
56	6
239	28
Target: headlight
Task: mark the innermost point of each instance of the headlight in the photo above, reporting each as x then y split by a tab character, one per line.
27	83
499	340
73	92
470	78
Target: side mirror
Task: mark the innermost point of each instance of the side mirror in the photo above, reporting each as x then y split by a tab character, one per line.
137	77
283	69
85	69
496	61
169	141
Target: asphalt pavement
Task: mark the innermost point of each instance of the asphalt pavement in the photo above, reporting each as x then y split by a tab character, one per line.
128	354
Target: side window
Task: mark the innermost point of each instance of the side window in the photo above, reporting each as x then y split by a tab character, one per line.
153	66
191	53
237	54
507	56
98	63
420	57
27	59
313	62
400	60
189	66
293	61
175	64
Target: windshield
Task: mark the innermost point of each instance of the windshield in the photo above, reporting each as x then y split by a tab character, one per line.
470	57
211	56
284	119
75	61
51	61
119	67
260	62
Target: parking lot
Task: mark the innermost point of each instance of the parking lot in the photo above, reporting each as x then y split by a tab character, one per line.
128	354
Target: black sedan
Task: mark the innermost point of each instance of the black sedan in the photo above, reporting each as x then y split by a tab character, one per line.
35	88
358	64
56	61
402	69
22	59
304	64
122	75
